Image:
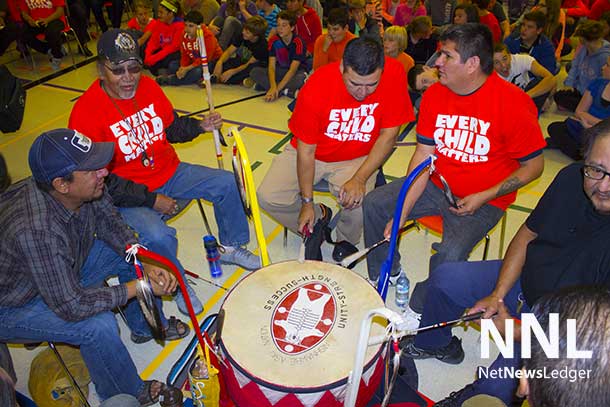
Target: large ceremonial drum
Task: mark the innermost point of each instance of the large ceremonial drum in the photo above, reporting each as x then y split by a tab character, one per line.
290	334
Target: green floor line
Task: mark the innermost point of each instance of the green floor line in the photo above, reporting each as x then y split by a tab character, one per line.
277	148
255	165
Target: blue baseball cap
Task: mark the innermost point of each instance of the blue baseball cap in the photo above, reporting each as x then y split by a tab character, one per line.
58	153
118	46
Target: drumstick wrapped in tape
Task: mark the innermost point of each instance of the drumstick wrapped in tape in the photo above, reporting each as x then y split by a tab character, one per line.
218	139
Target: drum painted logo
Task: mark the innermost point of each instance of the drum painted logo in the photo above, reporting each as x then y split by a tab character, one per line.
303	318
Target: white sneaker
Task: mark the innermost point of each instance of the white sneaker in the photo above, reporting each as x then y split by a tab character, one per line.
393	280
55	63
241	257
410	320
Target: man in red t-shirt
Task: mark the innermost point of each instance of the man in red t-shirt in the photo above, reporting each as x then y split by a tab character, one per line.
44	17
132	111
484	153
345	123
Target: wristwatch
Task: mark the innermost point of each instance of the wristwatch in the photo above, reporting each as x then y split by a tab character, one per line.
305	200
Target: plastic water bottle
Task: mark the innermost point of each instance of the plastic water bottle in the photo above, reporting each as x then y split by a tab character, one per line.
402	291
213	255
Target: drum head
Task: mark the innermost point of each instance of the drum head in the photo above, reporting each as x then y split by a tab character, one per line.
296	325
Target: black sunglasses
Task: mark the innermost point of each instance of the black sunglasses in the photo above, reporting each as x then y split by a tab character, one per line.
122	70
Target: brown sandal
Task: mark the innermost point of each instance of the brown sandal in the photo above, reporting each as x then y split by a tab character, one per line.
172	332
145	397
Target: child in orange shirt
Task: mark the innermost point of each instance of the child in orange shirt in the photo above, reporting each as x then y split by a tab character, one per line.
189	70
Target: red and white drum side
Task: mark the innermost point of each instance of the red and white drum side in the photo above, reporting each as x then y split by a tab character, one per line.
290	334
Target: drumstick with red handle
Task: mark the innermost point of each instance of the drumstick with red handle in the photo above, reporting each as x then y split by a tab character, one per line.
142	252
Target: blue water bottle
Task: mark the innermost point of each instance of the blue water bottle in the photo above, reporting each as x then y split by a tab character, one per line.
213	255
402	291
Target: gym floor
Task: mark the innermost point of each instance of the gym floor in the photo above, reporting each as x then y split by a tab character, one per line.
263	127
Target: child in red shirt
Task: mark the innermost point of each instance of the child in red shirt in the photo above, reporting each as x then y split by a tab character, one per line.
142	24
189	70
164	44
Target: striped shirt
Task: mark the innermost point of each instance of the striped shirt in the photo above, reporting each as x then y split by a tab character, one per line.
44	245
271	18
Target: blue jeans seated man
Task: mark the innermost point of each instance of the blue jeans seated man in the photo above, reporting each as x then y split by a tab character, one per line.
132	111
62	237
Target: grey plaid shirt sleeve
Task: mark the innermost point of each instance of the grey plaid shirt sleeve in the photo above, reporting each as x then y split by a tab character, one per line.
57	281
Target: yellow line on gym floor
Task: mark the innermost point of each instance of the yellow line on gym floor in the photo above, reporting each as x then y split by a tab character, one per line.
217	296
34	130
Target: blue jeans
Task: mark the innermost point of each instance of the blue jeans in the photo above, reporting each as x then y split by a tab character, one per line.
192	181
452	288
112	369
460	233
195	75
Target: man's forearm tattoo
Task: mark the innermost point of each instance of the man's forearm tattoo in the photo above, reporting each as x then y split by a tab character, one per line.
510	185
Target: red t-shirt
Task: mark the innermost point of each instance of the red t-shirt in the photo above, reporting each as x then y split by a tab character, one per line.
135	25
189	51
39	9
165	40
599	8
140	124
342	127
492	22
478	142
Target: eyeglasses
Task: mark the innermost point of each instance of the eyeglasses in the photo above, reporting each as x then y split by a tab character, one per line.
595	173
122	70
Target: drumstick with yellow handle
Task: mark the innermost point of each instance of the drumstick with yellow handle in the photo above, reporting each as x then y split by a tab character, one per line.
218	139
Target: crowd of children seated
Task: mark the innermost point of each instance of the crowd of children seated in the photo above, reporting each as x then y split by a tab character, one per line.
272	45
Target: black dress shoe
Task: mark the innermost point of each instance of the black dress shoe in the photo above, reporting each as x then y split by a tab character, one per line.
314	241
453	353
84	50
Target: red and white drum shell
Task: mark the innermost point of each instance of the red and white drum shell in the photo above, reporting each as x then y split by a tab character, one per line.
290	333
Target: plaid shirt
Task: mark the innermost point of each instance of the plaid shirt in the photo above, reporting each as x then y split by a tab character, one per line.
44	246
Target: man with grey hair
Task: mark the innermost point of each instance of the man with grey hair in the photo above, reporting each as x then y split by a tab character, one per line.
132	111
589	307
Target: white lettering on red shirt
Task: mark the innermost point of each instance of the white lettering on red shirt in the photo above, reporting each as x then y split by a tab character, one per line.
352	124
136	132
463	138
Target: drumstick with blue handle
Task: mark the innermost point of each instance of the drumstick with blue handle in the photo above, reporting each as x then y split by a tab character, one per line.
384	275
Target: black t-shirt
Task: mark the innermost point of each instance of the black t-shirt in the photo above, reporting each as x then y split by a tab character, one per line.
423	50
259	49
498	11
573	242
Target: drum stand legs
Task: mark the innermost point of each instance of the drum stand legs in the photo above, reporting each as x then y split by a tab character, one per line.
353	382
